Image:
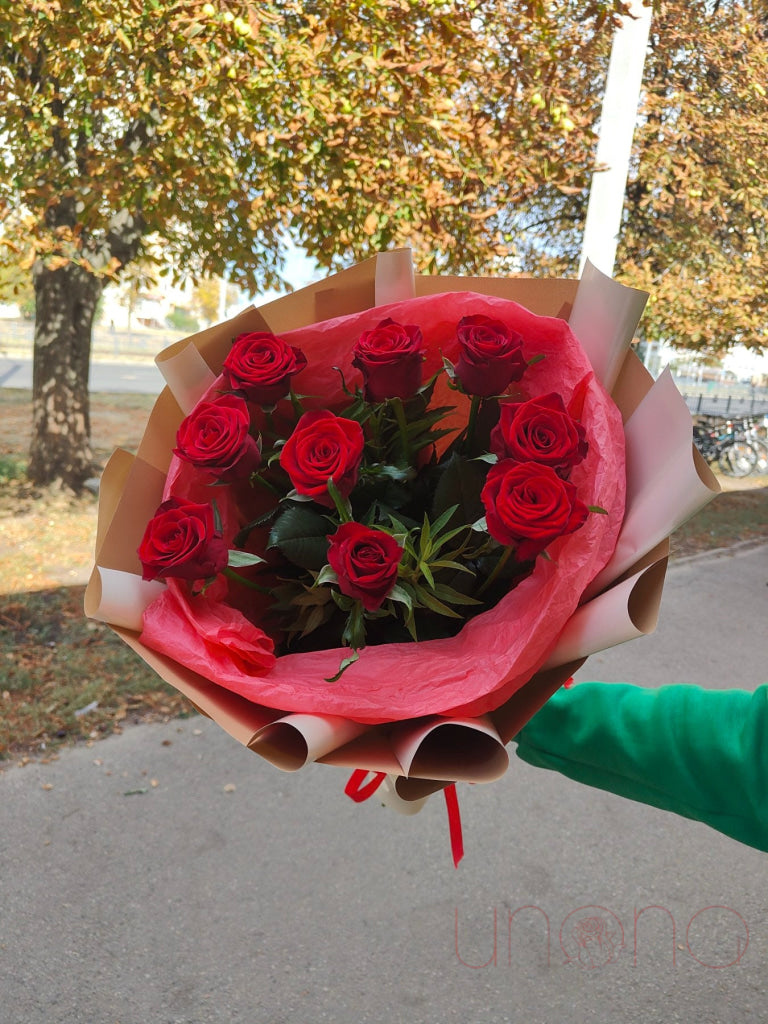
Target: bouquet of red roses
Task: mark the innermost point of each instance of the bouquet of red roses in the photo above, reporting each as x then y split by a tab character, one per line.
377	524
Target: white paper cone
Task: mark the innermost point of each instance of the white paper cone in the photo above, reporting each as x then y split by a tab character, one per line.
389	796
120	598
667	482
187	375
292	742
604	318
625	612
451	749
394	277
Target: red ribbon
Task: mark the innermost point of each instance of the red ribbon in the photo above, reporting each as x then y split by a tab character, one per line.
358	792
358	789
454	823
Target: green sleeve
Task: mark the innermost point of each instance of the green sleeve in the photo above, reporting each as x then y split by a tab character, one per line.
700	753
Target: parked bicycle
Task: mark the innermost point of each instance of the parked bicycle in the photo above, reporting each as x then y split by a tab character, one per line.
756	434
732	452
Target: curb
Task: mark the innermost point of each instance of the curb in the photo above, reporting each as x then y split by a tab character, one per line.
733	549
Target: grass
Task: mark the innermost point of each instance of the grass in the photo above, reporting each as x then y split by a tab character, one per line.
66	679
735	516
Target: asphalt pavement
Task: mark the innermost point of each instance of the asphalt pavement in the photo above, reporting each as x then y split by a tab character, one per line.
169	876
141	376
131	376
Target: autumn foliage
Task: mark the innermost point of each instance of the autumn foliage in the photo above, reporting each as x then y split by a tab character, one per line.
198	136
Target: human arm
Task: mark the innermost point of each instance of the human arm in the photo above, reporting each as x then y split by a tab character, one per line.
700	753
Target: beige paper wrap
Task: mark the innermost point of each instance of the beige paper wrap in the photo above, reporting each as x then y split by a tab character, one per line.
667	483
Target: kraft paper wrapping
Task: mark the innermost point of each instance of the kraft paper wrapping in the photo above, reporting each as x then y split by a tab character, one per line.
424	755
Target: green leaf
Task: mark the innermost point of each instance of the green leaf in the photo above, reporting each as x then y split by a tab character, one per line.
447	563
354	630
300	534
426	572
459	485
597	510
242	536
400	595
446	593
343	667
342	504
317	616
342	601
326	575
238	559
427	600
443	519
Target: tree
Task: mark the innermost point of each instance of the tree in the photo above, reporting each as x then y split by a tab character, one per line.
208	300
16	287
694	228
212	130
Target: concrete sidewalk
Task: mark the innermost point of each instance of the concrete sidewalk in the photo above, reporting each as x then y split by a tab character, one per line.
169	876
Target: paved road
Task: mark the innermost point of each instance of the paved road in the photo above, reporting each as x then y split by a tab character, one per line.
144	378
168	876
133	377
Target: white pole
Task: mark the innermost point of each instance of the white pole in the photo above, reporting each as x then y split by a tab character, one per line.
223	284
617	125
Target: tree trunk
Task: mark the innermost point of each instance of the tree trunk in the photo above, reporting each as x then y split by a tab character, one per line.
66	301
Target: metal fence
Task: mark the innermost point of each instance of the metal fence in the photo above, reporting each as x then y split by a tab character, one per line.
727	401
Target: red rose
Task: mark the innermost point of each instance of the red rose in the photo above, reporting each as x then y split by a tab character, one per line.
529	505
216	437
365	561
181	540
540	430
491	356
261	366
390	358
323	446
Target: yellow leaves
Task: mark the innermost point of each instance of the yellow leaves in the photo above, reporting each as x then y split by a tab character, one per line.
122	38
483	215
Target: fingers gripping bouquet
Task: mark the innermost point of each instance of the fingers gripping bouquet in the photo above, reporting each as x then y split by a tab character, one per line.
377	526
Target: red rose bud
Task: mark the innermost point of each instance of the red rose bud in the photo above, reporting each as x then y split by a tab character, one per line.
529	506
261	366
390	358
365	561
216	437
540	430
491	356
323	447
181	540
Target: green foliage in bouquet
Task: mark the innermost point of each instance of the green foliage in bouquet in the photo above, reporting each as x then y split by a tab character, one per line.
394	519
